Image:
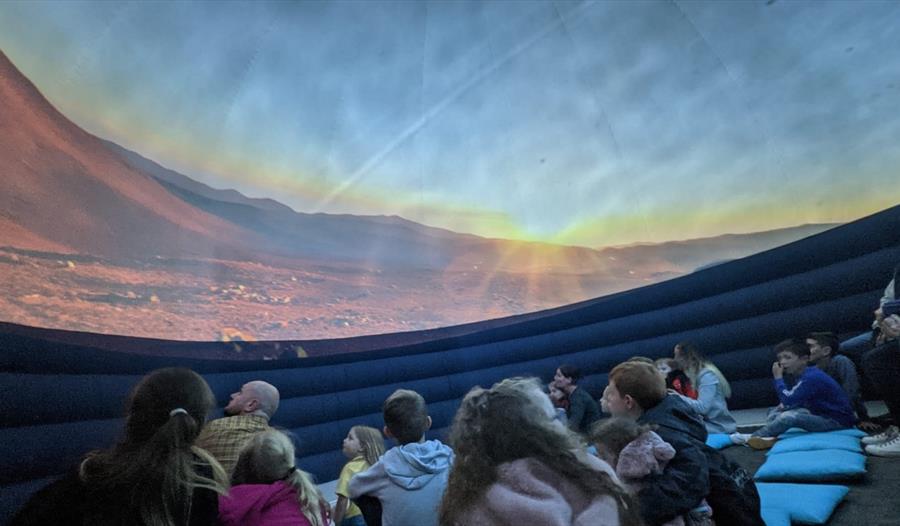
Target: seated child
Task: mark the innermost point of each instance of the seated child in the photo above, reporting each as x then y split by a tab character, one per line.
363	446
560	401
410	478
676	378
269	489
815	402
636	452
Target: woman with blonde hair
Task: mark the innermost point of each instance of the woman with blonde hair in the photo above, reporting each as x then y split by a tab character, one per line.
515	465
268	489
363	446
711	386
155	476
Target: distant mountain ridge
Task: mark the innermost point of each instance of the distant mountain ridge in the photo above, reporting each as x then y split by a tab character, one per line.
68	190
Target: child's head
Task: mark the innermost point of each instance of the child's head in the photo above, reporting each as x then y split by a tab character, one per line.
406	416
610	437
566	376
665	366
821	345
557	395
634	387
268	457
364	441
793	355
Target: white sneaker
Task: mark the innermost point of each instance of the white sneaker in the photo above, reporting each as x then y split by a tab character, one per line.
739	438
885	436
891	448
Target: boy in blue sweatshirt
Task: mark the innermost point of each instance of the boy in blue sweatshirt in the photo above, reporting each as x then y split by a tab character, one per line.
815	402
410	478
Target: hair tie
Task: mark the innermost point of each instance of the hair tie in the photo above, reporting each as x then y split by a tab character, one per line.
177	410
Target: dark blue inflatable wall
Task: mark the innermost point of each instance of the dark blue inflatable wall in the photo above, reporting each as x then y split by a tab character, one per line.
60	400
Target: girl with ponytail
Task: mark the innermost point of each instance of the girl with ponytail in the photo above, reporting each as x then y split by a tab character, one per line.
154	476
268	488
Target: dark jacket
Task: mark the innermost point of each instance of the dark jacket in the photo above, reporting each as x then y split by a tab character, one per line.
685	480
69	501
582	411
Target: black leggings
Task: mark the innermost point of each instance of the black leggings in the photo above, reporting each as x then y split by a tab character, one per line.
882	366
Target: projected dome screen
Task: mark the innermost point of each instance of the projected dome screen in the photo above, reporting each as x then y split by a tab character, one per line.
306	170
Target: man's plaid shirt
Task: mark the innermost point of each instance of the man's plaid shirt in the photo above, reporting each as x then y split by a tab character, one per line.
225	437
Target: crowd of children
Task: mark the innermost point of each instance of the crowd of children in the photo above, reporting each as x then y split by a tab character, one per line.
516	453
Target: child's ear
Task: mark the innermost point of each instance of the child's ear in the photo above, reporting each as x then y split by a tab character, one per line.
428	425
629	402
387	432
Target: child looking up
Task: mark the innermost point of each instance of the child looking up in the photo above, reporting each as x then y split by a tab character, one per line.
676	379
410	478
363	446
814	403
268	488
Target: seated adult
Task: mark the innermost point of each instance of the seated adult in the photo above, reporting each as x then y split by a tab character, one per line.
247	413
712	389
638	392
582	410
515	465
815	402
822	347
857	346
882	366
154	475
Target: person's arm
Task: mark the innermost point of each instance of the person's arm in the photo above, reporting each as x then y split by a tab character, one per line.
707	392
801	392
340	508
678	489
367	482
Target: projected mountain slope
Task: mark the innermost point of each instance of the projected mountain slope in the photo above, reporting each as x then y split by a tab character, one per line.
98	238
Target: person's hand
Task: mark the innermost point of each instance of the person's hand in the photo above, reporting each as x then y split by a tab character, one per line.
890	327
777	371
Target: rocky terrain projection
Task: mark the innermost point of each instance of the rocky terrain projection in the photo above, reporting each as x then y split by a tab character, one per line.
96	238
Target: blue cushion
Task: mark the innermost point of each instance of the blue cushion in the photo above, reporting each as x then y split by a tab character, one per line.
806	503
818	466
718	441
850	431
816	441
775	517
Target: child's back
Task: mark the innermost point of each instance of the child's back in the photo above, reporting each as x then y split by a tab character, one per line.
273	504
410	478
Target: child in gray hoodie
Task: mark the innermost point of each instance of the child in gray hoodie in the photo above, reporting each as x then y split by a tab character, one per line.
410	478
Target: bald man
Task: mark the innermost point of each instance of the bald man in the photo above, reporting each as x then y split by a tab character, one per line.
246	414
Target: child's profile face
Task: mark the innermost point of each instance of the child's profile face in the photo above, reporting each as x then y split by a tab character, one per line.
555	394
792	363
351	445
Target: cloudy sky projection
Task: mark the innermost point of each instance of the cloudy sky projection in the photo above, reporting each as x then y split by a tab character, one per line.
587	123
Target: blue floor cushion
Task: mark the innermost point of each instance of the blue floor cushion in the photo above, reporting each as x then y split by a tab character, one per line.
816	441
718	440
775	517
804	503
850	431
813	466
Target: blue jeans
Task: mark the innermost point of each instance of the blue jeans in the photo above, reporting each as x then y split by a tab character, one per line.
855	347
781	421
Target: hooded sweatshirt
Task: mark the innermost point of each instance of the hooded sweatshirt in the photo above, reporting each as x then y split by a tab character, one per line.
261	505
409	480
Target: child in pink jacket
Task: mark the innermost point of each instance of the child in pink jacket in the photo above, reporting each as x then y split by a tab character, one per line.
636	452
269	490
